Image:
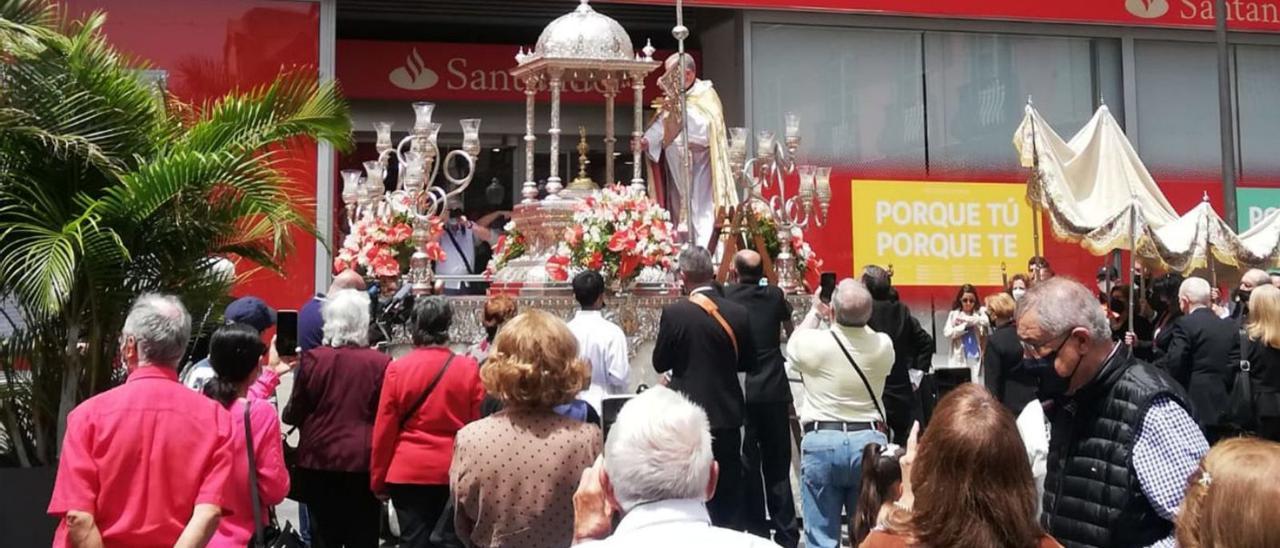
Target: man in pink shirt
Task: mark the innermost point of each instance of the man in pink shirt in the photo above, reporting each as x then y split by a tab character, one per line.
145	463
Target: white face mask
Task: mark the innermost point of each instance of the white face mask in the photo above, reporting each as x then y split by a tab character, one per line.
1018	292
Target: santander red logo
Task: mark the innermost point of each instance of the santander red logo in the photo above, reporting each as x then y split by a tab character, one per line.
1147	9
414	75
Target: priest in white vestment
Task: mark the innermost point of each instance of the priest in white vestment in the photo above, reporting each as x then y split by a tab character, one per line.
713	185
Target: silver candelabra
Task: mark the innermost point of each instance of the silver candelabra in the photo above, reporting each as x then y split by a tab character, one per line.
773	164
416	194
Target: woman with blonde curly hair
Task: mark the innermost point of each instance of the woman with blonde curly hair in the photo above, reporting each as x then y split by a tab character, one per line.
1232	498
514	473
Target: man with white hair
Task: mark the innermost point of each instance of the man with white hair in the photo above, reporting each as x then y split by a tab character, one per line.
1123	441
145	463
658	472
1253	278
1203	356
844	369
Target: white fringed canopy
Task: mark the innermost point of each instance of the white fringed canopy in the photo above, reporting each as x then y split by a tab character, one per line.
1097	192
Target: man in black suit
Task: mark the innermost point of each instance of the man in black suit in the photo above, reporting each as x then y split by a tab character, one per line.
766	448
705	341
1203	355
912	349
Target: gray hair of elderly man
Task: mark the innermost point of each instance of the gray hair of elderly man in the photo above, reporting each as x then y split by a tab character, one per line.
1196	291
1256	277
346	318
659	449
695	265
852	303
1062	305
689	62
161	328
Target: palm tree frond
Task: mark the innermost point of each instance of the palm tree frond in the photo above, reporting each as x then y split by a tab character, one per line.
295	104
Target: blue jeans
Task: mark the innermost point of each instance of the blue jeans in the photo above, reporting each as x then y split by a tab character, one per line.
831	471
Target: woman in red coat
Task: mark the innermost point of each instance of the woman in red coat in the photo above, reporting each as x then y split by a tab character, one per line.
427	396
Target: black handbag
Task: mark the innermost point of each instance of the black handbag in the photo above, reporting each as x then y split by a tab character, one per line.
267	535
297	477
1241	409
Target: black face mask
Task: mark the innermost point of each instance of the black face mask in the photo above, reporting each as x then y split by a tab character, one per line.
1242	296
491	331
1052	384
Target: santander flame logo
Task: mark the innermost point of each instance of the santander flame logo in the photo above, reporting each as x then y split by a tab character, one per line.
414	75
1147	9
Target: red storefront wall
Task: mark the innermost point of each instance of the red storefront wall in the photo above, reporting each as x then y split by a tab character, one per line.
210	47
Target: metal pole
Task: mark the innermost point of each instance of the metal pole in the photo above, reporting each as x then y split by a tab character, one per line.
680	32
1133	253
1224	116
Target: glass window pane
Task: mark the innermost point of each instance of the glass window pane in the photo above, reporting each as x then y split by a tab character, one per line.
1177	88
1258	82
858	93
978	85
1108	71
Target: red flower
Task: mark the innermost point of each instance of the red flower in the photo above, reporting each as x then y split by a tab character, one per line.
557	268
339	266
573	236
622	240
595	261
385	265
435	226
434	251
627	266
400	232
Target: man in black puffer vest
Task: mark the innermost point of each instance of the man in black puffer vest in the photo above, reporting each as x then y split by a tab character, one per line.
1123	441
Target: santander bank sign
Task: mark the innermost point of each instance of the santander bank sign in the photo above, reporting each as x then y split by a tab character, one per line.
369	69
1243	15
1240	11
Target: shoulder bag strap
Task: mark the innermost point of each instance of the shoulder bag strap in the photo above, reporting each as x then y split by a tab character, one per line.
254	498
710	307
1245	366
423	398
874	398
465	262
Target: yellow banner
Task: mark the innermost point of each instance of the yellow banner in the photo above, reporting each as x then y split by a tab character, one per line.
938	233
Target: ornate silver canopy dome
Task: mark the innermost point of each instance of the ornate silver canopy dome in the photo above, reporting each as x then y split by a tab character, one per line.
584	34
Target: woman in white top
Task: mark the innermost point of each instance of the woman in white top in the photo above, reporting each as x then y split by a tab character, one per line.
967	327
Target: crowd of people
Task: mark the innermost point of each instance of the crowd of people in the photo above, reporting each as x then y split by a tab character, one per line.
1056	422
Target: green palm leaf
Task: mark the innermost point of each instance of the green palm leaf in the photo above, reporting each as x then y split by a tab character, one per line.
294	105
109	188
24	24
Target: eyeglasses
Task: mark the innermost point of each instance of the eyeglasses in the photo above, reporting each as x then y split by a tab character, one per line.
969	300
1034	350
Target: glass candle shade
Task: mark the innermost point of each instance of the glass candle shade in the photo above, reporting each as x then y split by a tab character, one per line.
807	186
792	125
824	185
375	173
471	136
383	130
738	143
422	116
764	144
350	186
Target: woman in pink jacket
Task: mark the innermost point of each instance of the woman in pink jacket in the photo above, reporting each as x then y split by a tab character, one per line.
234	352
